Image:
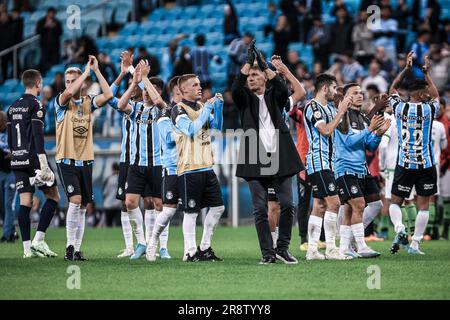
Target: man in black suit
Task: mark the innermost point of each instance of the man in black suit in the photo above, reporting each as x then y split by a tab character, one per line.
267	156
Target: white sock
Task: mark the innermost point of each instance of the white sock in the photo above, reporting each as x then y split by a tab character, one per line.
372	210
72	220
330	226
39	236
126	230
137	224
275	237
80	230
211	221
26	246
421	224
358	233
396	217
161	225
340	217
345	233
314	230
189	224
150	218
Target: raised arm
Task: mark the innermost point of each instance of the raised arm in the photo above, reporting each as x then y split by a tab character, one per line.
124	104
238	87
263	64
106	94
75	87
299	92
153	93
398	80
327	129
216	119
125	62
432	90
189	127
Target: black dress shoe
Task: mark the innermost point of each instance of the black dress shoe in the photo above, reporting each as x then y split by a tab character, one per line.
286	257
268	260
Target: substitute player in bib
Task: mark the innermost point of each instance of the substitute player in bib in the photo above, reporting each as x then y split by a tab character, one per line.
25	125
198	184
416	163
75	148
321	119
170	194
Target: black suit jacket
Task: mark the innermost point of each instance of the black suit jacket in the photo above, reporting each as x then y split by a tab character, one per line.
252	162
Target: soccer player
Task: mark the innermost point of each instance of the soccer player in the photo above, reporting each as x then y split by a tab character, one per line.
439	139
127	130
75	148
321	119
351	172
25	125
198	184
416	163
170	194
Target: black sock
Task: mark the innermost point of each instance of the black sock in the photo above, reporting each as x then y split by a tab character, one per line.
47	213
25	223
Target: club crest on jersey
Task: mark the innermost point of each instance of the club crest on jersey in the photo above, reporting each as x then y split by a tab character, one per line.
70	188
317	114
354	189
40	114
169	195
331	187
191	203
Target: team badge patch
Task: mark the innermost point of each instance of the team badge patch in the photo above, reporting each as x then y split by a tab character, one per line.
70	188
191	203
120	191
40	114
354	189
317	114
169	195
331	187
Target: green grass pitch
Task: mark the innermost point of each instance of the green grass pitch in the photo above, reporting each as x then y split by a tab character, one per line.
238	277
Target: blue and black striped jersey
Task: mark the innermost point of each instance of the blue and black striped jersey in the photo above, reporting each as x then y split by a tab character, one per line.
320	151
414	128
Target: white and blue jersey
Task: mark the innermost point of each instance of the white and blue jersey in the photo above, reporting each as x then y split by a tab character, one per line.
320	151
169	150
414	128
127	127
350	152
145	140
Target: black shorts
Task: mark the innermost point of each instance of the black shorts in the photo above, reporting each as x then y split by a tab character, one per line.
170	194
23	180
77	181
424	180
371	186
350	187
145	181
123	172
323	184
199	190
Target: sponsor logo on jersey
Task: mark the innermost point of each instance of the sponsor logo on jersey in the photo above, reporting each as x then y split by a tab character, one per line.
20	163
80	130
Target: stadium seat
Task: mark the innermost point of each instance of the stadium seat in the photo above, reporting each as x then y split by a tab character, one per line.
121	15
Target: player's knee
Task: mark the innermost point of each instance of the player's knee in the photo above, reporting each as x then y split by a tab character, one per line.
52	194
148	203
333	204
157	202
131	202
358	205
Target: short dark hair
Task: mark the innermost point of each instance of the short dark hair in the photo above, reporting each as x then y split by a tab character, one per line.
373	87
30	78
417	84
51	9
200	39
324	79
185	77
348	86
173	83
157	82
115	166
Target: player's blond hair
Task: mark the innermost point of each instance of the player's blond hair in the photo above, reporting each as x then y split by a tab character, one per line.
73	70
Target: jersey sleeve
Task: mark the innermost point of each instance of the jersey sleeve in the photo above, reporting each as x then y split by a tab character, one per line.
435	106
59	110
38	112
94	105
314	114
37	125
394	101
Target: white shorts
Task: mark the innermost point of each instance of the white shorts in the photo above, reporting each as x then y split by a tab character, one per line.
389	179
444	184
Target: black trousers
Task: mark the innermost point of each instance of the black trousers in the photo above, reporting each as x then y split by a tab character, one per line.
304	200
283	188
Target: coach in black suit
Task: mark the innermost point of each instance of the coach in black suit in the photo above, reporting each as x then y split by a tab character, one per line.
267	155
